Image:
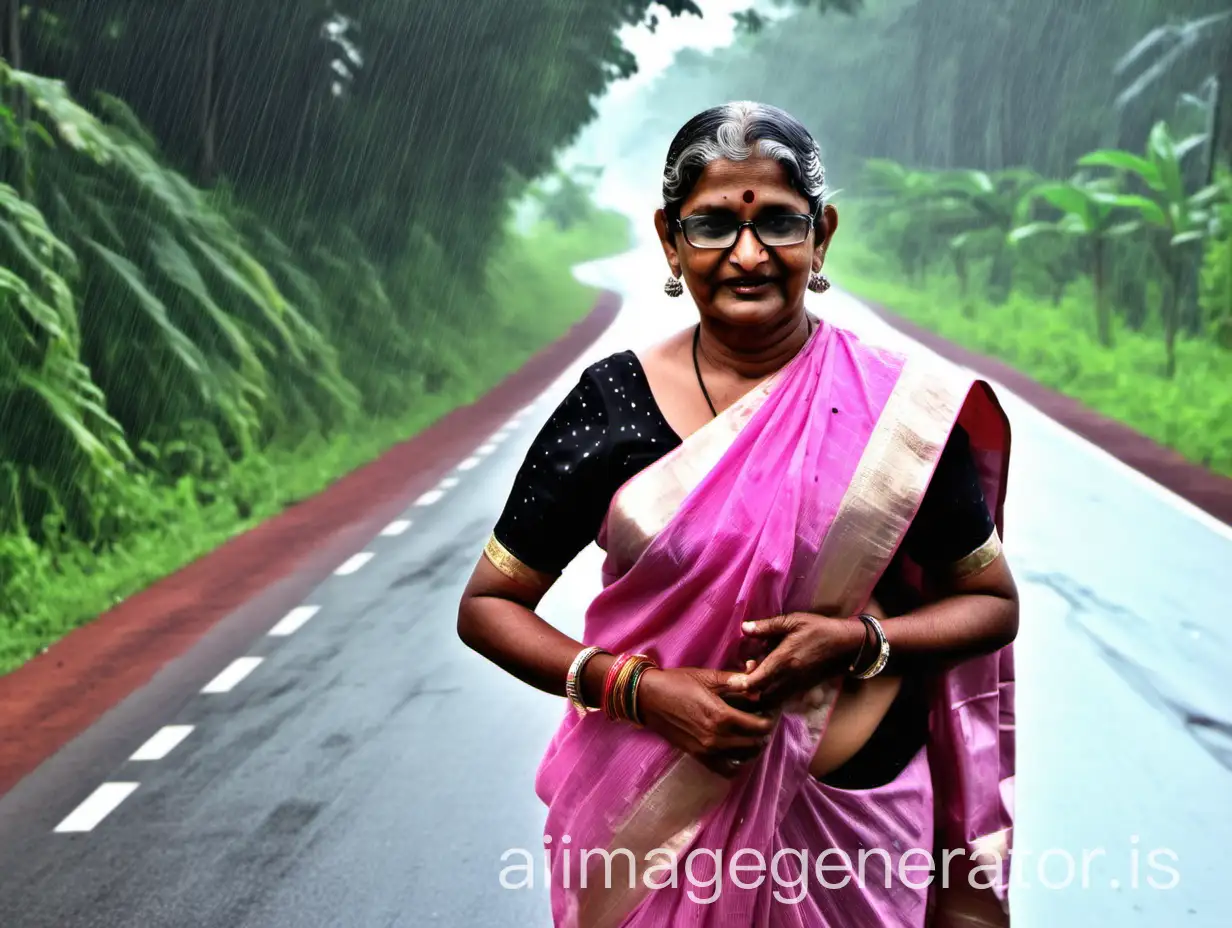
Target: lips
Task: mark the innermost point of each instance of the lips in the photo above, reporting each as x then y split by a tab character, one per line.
745	284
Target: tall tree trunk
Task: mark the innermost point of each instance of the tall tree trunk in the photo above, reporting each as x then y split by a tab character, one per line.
925	18
922	109
12	31
1170	313
208	167
1103	320
17	168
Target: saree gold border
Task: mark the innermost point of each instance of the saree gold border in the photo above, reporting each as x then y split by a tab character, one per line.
887	487
644	506
882	498
503	560
669	816
665	822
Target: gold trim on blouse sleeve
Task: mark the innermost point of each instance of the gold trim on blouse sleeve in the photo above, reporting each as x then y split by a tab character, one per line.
978	559
504	561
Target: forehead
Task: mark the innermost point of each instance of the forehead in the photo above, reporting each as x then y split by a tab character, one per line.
726	182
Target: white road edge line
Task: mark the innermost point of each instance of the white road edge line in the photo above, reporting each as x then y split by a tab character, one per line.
233	675
498	437
396	528
293	621
96	807
162	743
469	464
353	563
485	449
448	483
430	497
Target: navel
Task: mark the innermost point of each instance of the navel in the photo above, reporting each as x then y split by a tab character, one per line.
748	196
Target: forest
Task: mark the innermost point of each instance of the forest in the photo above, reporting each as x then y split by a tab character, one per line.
249	244
1043	181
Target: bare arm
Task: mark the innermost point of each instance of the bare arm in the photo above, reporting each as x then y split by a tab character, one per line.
977	614
685	706
497	618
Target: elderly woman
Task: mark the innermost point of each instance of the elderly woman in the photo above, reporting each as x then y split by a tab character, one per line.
792	703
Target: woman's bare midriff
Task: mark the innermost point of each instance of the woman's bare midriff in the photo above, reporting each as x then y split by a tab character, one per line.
861	707
859	710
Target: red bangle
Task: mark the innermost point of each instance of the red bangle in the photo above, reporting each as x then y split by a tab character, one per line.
609	684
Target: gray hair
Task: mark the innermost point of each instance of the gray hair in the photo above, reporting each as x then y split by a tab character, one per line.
735	132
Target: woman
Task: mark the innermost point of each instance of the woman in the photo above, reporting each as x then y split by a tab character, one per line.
767	490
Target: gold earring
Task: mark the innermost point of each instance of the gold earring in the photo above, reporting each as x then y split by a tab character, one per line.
818	283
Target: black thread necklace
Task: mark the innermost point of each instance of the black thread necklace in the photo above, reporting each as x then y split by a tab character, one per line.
697	335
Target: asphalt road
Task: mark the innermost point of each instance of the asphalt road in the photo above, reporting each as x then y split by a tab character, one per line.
369	770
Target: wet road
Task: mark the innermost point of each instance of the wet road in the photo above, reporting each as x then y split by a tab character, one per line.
368	770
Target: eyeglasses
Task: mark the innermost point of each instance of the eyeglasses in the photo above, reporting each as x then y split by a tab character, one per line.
720	230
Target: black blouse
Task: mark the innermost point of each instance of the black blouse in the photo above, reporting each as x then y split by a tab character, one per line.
609	428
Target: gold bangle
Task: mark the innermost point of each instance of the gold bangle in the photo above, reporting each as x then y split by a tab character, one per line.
635	713
504	561
620	689
621	700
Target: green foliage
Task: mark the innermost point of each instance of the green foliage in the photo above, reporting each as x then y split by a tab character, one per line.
1216	279
528	297
123	269
1057	345
1176	221
378	115
564	198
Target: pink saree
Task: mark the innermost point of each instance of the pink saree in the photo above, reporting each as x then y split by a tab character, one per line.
794	499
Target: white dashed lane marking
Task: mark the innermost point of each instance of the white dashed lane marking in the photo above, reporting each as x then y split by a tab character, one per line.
97	806
353	563
107	797
432	496
233	675
294	620
165	740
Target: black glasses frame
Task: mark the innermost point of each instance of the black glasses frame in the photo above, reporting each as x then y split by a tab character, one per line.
751	223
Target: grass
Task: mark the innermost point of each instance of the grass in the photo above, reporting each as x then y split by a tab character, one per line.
534	299
1056	346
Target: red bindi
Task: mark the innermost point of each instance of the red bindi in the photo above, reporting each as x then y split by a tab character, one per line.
748	196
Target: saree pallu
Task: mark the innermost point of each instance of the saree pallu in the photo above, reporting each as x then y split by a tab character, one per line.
794	499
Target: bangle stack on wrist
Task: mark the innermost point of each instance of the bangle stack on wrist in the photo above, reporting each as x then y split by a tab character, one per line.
620	687
881	653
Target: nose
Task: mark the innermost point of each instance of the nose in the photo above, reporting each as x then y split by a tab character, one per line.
748	252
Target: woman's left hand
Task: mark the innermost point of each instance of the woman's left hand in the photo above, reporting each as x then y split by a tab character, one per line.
809	649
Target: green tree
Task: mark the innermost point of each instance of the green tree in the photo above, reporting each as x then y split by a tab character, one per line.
1092	212
1178	221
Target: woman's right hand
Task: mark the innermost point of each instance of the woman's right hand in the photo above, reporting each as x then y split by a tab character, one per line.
687	708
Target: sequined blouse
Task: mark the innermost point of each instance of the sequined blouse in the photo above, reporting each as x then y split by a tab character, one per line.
609	427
